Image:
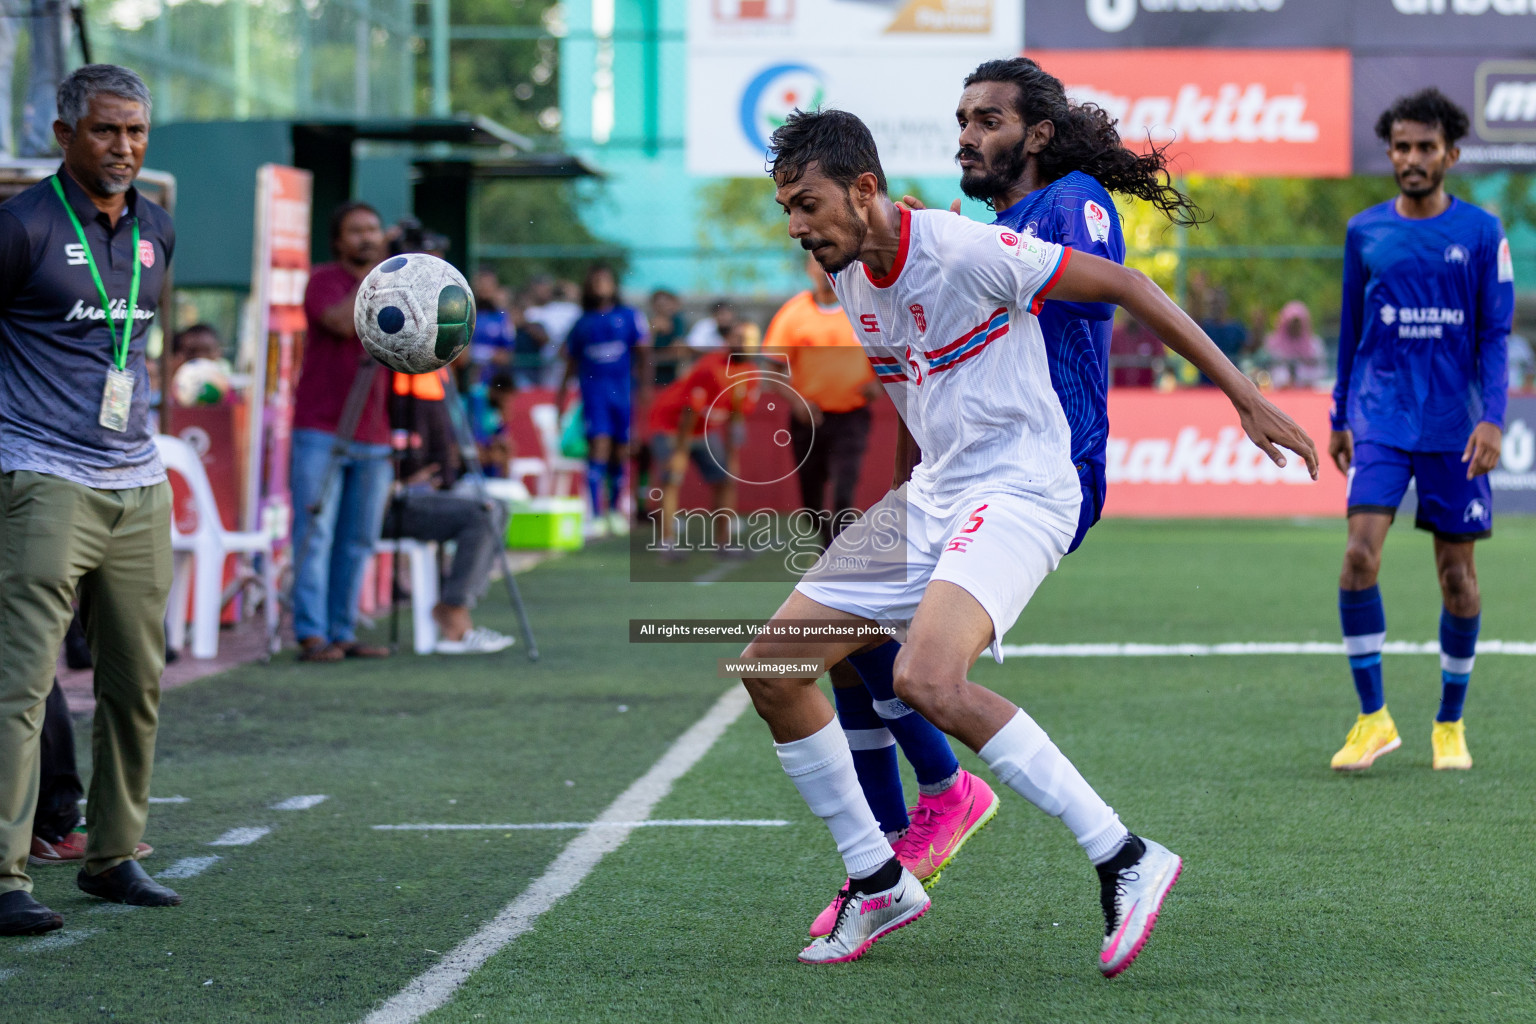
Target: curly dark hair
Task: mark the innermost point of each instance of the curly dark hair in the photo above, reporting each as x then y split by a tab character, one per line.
837	141
1086	140
1427	106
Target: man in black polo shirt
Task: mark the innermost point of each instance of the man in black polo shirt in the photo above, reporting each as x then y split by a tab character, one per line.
84	500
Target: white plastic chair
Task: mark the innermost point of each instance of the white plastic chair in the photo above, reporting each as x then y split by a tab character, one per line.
560	470
422	555
199	560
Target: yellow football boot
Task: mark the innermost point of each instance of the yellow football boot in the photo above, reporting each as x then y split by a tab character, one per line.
1373	735
1450	742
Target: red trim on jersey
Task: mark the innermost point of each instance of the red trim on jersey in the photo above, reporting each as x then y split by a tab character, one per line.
1039	299
967	336
901	253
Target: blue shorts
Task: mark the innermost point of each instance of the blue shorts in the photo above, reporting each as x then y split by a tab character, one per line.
1451	507
605	409
1091	476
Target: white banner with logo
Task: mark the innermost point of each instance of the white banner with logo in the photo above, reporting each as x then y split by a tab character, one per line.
897	64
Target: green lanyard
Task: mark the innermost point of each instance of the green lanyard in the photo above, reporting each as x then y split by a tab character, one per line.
119	347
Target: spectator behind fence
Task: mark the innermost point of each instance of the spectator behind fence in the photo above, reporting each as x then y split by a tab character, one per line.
1228	333
492	344
1135	355
553	310
831	386
1296	356
425	510
84	499
712	332
332	548
669	349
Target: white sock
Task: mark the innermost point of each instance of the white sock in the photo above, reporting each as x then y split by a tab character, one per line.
821	767
1027	762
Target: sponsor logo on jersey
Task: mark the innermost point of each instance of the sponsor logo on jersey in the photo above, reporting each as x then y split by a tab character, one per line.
919	317
146	252
1231	112
1506	262
1455	253
1097	220
1422	321
74	255
870	322
119	311
1009	239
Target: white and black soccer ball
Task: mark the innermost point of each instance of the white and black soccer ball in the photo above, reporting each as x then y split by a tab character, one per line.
414	313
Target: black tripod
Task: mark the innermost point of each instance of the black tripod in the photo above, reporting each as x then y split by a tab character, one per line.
346	432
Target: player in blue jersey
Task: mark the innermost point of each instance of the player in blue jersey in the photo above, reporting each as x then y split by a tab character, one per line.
599	353
1428	303
1046	167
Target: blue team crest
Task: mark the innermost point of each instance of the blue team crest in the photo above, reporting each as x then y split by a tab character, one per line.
772	94
1456	254
1476	512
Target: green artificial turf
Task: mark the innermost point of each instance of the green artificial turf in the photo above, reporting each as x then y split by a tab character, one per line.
1397	895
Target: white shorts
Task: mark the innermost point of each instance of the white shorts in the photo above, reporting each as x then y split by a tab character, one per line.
998	548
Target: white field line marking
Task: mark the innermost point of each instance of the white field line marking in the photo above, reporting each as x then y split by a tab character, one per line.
715	574
166	800
189	867
300	803
1519	647
580	856
58	940
113	908
7	973
549	826
241	836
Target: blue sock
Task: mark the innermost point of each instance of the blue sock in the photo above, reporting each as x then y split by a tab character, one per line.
615	473
926	748
1365	630
1458	650
595	474
874	756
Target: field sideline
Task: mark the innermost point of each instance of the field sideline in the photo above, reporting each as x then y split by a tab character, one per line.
1397	895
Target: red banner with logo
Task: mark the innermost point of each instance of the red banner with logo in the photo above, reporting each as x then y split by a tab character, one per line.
1260	112
1183	454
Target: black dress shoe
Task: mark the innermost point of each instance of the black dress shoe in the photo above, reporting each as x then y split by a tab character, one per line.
127	883
20	914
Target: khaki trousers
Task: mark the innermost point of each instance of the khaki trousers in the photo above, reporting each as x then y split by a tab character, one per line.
115	546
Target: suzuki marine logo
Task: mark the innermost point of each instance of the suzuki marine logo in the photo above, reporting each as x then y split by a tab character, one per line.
1117	15
1389	315
1506	100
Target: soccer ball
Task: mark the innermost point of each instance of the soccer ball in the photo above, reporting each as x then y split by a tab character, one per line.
200	382
414	313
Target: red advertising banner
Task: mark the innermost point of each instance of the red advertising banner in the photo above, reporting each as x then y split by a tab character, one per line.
280	271
1261	112
1182	454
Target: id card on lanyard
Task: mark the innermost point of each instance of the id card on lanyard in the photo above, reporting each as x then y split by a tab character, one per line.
117	393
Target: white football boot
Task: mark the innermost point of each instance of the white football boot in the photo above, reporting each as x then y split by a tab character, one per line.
1132	897
865	918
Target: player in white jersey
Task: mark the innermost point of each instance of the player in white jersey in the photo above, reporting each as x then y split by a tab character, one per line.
944	308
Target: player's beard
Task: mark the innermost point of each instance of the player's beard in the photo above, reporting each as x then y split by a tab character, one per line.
993	179
1431	181
844	256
